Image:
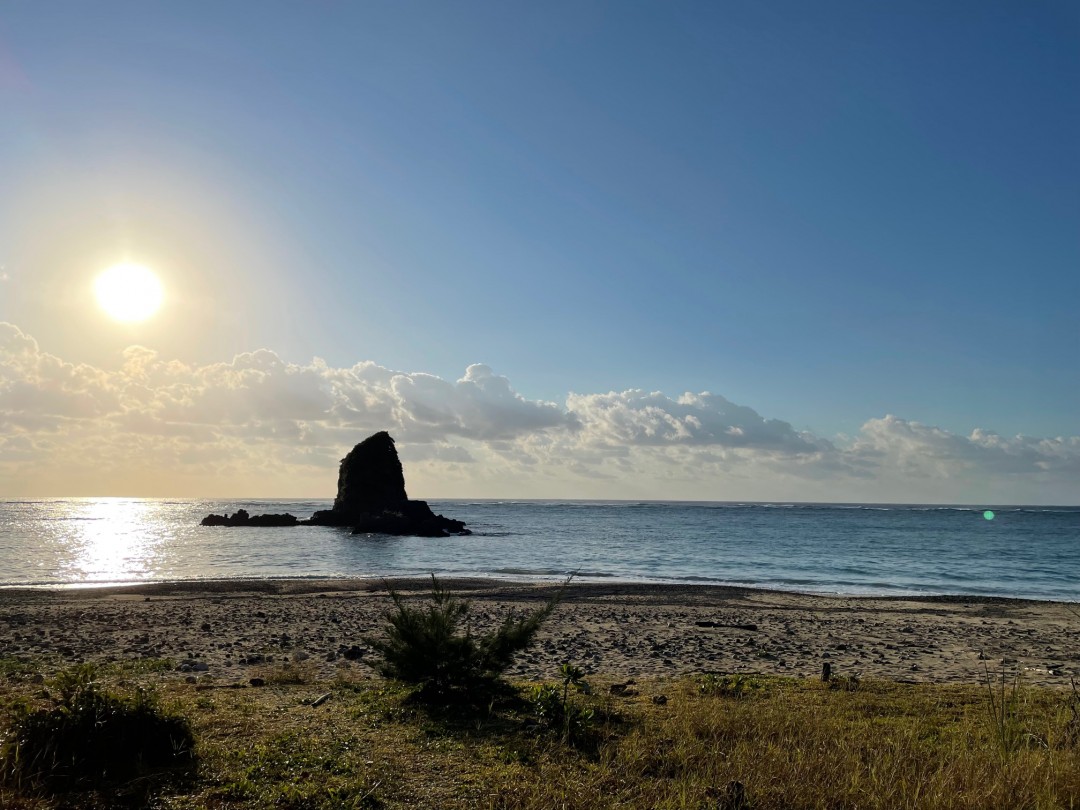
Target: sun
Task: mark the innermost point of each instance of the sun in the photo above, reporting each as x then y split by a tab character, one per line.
128	292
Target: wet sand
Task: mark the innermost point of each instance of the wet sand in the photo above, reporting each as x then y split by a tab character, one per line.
232	630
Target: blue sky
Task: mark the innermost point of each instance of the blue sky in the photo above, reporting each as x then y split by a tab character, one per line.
827	213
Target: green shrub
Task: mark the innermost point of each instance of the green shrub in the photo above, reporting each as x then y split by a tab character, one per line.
91	736
547	703
553	707
427	647
733	686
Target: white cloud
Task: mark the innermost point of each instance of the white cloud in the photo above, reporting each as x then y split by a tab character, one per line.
922	449
260	425
638	419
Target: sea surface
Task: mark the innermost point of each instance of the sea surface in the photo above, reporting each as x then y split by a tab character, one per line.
1027	552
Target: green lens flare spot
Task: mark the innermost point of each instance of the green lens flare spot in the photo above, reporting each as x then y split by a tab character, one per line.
988	515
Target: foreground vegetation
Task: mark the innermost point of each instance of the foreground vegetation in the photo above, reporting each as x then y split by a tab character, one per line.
434	649
706	742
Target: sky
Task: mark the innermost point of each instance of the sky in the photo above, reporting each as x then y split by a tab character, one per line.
707	251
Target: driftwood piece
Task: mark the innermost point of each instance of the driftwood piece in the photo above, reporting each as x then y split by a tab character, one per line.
707	623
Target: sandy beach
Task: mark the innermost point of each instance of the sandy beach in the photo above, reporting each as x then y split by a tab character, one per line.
230	630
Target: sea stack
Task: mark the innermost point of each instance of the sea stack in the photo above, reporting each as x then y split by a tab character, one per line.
371	496
370	499
370	479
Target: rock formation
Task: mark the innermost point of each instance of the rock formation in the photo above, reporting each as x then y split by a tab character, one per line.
371	496
370	480
370	499
242	518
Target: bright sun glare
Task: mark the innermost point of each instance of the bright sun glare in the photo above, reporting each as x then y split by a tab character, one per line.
128	292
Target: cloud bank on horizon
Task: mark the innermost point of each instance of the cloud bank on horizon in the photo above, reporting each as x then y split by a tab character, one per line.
258	426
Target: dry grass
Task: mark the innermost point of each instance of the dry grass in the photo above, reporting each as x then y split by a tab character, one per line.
789	743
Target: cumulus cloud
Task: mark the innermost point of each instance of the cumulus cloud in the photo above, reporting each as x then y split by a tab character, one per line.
481	405
920	448
637	418
261	425
255	409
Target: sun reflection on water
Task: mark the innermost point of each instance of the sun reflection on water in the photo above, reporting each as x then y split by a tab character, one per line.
112	539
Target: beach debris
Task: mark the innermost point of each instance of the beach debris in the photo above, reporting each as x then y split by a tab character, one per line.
351	653
707	623
623	689
1050	669
321	699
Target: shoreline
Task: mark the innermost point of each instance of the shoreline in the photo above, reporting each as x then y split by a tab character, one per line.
617	629
317	583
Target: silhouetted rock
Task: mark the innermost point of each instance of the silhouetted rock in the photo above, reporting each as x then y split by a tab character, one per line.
371	496
274	520
370	479
242	518
415	518
370	499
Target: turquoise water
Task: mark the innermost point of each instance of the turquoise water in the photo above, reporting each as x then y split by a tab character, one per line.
1030	552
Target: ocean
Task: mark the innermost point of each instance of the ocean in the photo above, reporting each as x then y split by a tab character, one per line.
864	549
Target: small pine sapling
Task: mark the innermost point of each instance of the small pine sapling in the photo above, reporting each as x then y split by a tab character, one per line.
426	646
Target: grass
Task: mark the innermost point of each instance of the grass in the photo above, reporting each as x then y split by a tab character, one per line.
89	735
788	743
1004	706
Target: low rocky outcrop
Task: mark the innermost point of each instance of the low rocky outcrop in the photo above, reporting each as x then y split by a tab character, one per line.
370	499
414	518
241	518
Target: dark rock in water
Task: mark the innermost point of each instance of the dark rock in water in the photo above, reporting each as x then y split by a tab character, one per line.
273	520
239	518
242	518
416	518
370	499
370	479
371	496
